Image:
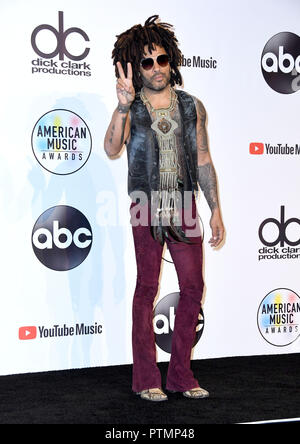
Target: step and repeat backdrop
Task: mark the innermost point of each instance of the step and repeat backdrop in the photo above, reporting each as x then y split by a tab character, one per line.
68	267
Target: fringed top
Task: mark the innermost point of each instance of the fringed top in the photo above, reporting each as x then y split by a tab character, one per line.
168	207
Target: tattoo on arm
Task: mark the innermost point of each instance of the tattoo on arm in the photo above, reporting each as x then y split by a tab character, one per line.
112	134
123	109
118	131
123	129
208	183
202	142
206	173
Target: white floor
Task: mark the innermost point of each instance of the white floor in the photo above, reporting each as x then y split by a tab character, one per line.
274	421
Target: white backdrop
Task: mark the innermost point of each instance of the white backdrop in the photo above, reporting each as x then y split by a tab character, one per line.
44	311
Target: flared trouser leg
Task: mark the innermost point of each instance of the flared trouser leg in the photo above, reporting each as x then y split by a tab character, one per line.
148	252
188	262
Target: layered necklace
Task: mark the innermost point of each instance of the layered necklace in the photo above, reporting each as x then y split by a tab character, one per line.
166	213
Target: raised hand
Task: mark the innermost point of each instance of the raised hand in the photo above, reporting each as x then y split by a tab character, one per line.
125	89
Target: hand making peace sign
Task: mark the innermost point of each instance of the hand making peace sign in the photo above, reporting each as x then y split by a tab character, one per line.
125	89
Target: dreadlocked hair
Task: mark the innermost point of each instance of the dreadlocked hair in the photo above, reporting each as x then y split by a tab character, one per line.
129	47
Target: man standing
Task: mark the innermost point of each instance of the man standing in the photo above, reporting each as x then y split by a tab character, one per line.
168	156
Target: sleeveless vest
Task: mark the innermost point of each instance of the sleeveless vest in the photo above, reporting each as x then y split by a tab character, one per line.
143	149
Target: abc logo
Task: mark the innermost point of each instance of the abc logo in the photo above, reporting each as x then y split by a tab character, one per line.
164	322
61	37
281	63
62	238
283	237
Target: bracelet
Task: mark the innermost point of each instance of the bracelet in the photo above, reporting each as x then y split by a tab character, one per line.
123	109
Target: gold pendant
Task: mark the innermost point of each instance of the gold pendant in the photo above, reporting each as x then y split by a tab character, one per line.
164	124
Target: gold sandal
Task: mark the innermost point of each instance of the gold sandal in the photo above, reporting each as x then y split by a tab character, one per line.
155	395
196	393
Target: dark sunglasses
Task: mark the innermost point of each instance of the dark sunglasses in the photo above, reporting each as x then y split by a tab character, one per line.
162	60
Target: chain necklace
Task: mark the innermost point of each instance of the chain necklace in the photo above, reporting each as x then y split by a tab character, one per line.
171	107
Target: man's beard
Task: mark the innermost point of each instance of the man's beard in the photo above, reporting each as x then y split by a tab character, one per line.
149	83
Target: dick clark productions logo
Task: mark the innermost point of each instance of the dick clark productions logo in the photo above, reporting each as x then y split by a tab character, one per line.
280	237
280	63
61	37
75	51
62	238
164	322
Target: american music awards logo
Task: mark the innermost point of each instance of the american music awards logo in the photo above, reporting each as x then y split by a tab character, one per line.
278	317
61	142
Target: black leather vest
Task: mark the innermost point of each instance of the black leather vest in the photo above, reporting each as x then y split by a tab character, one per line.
143	149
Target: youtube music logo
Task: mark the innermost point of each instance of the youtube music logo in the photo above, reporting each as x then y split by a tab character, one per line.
277	149
27	333
257	148
59	331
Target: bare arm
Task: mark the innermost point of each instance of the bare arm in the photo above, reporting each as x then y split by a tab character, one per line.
119	128
207	178
118	131
206	172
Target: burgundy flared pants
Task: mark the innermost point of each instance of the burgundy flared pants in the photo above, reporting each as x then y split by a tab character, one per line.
188	262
